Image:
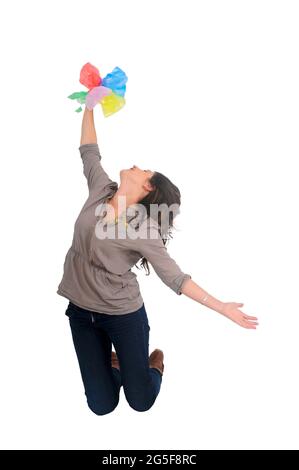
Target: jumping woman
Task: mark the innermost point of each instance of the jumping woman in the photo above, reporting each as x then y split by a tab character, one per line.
105	306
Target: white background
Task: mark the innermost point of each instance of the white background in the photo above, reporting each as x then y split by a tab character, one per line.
212	102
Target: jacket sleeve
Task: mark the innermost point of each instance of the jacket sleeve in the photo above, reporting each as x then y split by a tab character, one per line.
154	250
96	176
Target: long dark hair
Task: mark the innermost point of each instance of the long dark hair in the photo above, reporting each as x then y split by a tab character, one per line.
167	194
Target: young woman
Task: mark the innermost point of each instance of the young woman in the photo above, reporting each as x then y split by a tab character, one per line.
105	304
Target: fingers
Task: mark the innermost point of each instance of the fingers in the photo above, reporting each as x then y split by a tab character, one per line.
249	324
248	317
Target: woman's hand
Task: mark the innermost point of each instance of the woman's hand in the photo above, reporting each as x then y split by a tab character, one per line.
231	311
228	309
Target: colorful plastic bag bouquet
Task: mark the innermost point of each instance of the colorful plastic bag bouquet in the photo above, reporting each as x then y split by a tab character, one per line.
109	91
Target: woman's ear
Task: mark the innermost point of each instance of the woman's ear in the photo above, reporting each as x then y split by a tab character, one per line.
148	186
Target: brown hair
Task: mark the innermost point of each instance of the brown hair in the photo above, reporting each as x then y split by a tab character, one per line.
166	193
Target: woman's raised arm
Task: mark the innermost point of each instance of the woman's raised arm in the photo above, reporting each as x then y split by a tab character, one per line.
88	131
96	176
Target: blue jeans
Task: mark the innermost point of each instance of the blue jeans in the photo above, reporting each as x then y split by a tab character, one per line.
93	335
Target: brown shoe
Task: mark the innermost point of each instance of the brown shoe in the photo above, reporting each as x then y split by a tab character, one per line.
114	360
156	360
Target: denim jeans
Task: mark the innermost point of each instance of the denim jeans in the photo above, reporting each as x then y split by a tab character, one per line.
93	335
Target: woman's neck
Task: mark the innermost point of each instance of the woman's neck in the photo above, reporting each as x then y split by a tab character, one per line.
121	200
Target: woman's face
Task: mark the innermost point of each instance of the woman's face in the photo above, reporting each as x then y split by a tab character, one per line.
136	175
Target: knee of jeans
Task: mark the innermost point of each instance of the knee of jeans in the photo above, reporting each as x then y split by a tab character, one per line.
140	406
100	409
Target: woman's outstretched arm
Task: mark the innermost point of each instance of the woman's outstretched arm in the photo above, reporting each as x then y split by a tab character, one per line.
228	309
154	250
88	131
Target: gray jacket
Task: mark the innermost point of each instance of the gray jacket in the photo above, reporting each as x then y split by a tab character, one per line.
97	271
